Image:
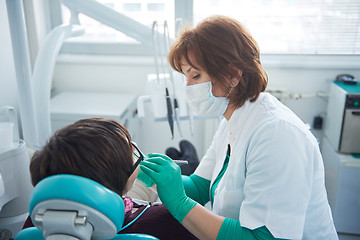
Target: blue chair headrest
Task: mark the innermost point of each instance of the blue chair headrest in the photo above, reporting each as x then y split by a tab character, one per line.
56	200
81	190
34	234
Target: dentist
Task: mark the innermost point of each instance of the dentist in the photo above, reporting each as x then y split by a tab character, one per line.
263	173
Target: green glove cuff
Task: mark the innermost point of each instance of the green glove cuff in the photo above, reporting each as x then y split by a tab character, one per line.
231	229
145	179
180	212
197	188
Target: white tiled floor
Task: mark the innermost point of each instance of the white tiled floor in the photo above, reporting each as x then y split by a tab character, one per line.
348	237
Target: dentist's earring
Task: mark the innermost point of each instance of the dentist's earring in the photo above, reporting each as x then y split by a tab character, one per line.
229	92
232	83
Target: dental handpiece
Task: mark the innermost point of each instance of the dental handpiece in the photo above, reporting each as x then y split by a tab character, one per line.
181	161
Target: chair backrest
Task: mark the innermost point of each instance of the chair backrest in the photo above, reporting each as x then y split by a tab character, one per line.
73	207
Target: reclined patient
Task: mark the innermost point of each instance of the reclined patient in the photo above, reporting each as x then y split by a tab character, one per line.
101	149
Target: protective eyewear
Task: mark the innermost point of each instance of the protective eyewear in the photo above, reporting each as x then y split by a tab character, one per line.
137	155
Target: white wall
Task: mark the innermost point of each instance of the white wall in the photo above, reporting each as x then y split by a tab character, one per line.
128	74
295	74
104	74
308	75
298	74
123	75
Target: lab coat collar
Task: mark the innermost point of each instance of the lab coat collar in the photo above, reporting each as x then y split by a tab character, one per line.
241	114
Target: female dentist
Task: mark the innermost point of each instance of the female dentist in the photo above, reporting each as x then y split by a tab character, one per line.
263	172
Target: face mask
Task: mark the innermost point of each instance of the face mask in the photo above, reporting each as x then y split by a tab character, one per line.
203	102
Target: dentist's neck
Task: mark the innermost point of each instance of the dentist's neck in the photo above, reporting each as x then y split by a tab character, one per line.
229	111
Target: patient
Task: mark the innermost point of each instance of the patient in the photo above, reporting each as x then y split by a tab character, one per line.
101	150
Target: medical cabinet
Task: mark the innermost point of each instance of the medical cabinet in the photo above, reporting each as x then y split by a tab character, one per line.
68	107
342	181
342	125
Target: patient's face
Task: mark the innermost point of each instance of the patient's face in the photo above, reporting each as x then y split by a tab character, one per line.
131	180
133	176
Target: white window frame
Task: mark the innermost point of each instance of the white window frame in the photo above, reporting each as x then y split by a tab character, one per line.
183	10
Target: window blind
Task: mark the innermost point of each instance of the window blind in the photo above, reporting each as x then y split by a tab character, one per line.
293	26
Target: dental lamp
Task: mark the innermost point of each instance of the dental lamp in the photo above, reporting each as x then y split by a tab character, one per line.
34	89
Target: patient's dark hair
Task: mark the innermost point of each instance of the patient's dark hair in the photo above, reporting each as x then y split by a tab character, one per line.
96	148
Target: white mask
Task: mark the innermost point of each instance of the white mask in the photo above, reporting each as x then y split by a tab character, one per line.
203	102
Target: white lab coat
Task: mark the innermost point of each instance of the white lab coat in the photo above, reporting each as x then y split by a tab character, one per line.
275	175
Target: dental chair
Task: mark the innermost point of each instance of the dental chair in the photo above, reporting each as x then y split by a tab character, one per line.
75	208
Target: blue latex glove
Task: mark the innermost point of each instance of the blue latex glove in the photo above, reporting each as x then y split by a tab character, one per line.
167	176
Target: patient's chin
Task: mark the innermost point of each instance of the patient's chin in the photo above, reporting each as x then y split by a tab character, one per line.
131	180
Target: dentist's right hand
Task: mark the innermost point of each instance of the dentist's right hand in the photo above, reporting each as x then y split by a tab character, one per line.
167	176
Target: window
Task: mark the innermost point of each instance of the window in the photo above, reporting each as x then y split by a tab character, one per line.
131	7
145	12
156	7
293	26
279	26
102	39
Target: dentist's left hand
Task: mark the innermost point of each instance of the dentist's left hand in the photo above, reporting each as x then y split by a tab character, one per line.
167	176
145	179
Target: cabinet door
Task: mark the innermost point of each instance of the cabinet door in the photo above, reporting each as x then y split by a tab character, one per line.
347	209
350	138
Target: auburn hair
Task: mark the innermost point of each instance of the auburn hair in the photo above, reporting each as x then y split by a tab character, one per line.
96	148
220	45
